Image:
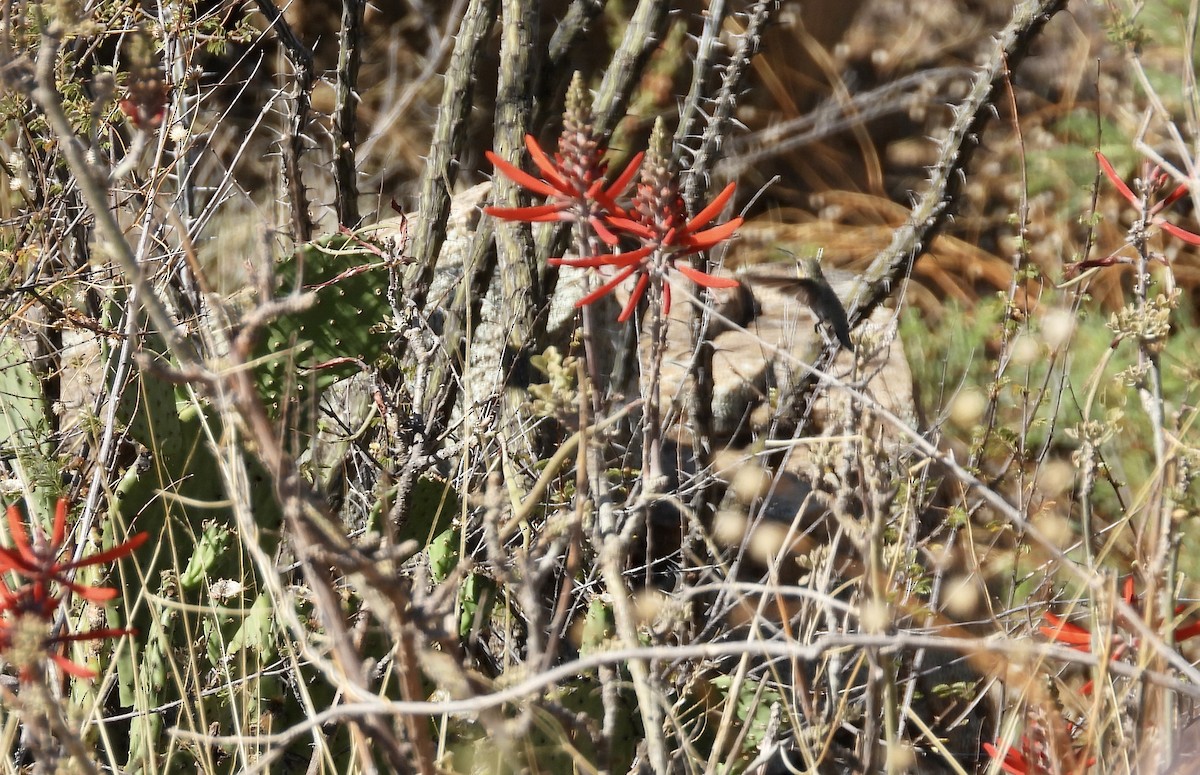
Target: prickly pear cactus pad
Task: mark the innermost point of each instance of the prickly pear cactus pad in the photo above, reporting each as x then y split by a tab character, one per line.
24	429
342	332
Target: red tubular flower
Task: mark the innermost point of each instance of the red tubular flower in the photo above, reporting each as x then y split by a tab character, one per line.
573	182
1062	631
1012	761
32	605
675	243
40	563
1188	632
74	668
37	616
658	220
575	192
1154	183
1024	761
1079	638
1033	760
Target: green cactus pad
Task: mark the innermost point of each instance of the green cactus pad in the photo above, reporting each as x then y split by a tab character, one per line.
24	428
304	353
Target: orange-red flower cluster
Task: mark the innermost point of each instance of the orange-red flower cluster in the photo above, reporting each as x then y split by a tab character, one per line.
1079	638
576	191
1148	205
1024	760
1154	183
45	581
1027	760
1012	760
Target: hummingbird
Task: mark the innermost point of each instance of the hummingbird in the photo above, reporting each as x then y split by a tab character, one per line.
813	290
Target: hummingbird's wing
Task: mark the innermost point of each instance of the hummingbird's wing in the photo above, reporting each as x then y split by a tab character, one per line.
816	295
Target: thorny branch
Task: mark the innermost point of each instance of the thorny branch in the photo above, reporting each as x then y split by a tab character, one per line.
293	141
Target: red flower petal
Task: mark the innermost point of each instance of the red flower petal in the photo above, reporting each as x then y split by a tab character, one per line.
1186	632
519	177
10	559
626	177
606	236
627	259
607	287
1064	632
630	257
108	555
713	209
20	539
74	668
1186	236
548	168
103	633
71	668
535	214
1115	179
1012	762
672	237
634	297
60	523
588	262
705	280
1172	198
703	240
636	228
601	201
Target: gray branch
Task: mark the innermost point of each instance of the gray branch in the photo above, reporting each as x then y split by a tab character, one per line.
449	135
345	111
947	176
